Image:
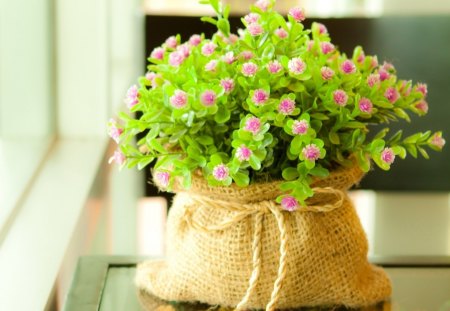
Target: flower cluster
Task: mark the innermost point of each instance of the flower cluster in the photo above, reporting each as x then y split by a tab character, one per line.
276	101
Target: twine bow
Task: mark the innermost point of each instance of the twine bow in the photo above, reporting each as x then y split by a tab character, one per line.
259	209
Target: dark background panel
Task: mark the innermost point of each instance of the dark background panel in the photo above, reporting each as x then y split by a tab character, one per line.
418	46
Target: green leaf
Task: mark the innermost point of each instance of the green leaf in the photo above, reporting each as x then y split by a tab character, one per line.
396	137
423	152
205	140
241	179
377	146
334	138
400	151
222	115
319	116
363	161
319	171
290	173
412	150
224	26
208	19
255	163
355	125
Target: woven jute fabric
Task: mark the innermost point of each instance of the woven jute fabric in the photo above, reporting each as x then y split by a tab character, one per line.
235	247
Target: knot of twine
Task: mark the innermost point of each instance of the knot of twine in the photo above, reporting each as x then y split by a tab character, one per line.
259	209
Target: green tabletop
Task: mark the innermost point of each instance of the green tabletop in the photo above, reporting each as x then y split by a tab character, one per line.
105	283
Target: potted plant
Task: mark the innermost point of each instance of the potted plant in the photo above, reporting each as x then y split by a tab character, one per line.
261	134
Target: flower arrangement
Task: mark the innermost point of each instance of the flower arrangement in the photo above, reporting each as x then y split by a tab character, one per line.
277	101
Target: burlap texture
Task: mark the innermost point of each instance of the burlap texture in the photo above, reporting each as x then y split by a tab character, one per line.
325	258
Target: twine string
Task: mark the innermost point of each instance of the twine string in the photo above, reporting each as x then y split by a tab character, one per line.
259	209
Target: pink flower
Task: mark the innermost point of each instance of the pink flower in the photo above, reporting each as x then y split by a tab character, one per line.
281	33
253	125
251	18
361	57
422	88
246	55
162	179
208	98
249	69
373	79
227	84
118	157
326	47
311	152
422	106
274	67
208	48
158	53
195	40
114	131
243	153
300	127
327	73
340	97
310	45
348	67
221	172
286	106
365	105
255	29
229	58
176	58
211	65
171	42
263	5
383	74
184	49
289	203
232	39
178	99
297	13
405	88
132	97
150	76
374	62
388	66
391	94
260	97
322	29
296	66
387	156
437	140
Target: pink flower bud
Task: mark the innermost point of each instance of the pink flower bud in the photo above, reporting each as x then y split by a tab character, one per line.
131	99
263	5
296	66
229	58
289	203
405	88
300	127
322	29
383	74
158	53
326	47
195	40
348	67
391	94
365	105
387	156
208	98
422	88
297	13
176	58
221	172
253	125
243	153
162	179
227	84
373	79
340	97
184	49
208	48
422	106
114	131
286	106
437	140
171	42
211	66
178	99
311	152
327	73
118	158
260	97
281	33
251	18
246	55
274	67
249	69
255	29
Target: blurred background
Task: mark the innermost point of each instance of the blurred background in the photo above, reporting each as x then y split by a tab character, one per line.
65	67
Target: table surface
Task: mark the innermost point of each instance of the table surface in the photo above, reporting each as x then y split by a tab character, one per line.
105	283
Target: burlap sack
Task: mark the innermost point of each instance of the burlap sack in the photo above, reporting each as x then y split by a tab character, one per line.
235	247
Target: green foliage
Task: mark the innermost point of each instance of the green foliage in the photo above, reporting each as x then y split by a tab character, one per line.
202	110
